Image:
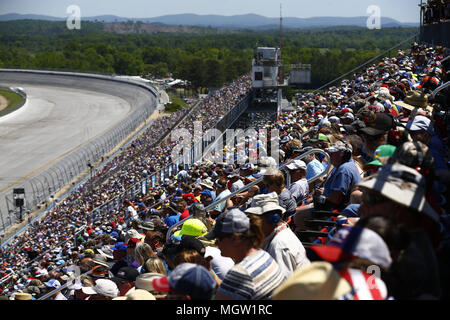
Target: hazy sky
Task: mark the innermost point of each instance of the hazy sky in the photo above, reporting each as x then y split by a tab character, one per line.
401	10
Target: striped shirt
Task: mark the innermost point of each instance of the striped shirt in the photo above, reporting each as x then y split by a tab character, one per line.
254	278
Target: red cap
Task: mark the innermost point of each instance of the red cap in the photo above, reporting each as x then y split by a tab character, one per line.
161	284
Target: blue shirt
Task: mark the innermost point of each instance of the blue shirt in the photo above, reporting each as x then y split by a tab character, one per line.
351	211
172	219
314	168
342	179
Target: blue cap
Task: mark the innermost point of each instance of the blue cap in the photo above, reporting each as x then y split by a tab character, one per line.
207	192
120	246
60	262
114	234
193	280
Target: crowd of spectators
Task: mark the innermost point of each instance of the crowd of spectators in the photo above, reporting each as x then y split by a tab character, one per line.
436	11
384	233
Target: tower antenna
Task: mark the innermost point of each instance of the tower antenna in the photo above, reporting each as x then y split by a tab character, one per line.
280	74
281	30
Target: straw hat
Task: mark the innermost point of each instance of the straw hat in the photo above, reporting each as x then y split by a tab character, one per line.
317	281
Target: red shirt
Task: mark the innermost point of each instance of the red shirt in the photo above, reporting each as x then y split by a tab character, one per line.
185	214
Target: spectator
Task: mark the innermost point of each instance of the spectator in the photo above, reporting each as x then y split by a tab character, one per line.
375	133
125	280
299	187
255	274
280	242
398	191
222	192
274	181
343	176
142	252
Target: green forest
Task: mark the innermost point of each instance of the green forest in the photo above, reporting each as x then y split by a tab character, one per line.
206	57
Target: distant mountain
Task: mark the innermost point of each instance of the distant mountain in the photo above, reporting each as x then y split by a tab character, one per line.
246	21
18	16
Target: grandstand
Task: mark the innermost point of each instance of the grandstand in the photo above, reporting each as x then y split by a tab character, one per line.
362	180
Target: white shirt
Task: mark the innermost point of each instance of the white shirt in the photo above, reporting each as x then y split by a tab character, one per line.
286	249
132	212
219	263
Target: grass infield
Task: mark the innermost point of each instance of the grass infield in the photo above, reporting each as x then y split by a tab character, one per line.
13	98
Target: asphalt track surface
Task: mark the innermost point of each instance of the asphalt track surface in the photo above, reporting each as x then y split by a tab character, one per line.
61	114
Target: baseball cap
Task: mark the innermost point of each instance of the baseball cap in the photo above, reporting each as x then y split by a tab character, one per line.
132	233
229	222
338	146
379	124
189	196
382	155
419	123
197	208
126	274
348	115
207	192
120	246
188	278
104	287
192	227
317	281
191	243
413	154
352	242
296	164
248	166
52	283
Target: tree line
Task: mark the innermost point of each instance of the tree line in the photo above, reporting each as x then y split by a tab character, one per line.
207	58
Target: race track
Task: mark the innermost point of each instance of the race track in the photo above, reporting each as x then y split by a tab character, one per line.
63	114
54	122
